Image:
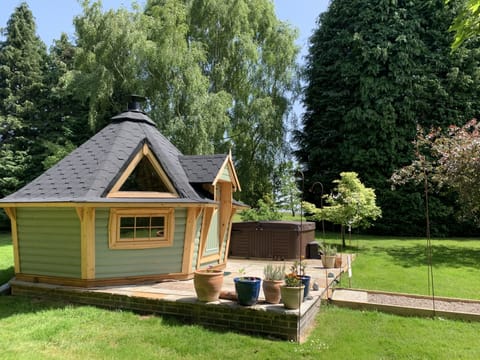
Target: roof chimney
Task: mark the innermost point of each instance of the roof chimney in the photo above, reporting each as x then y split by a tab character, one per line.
134	112
134	103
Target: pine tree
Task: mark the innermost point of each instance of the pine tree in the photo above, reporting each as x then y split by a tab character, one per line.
66	116
22	66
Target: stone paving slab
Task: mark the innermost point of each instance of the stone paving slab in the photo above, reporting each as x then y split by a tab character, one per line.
235	267
350	295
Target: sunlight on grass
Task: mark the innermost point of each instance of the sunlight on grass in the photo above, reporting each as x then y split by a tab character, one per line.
33	329
401	265
353	334
48	330
6	258
38	329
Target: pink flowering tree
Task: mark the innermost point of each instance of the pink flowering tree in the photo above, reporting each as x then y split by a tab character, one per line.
448	158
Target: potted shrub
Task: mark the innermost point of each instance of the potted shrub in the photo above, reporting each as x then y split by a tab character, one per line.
273	277
329	256
292	291
247	289
208	284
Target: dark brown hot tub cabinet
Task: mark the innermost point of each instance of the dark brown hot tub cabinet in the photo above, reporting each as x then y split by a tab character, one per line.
279	240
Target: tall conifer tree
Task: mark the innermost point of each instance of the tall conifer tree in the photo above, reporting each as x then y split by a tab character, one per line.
66	116
375	70
23	58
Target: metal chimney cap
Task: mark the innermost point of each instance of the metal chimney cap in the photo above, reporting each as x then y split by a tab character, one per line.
134	112
134	103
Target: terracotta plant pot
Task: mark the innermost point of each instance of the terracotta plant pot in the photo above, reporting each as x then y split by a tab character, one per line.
271	290
328	261
208	284
338	261
292	297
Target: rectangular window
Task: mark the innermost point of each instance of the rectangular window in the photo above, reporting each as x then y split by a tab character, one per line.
141	228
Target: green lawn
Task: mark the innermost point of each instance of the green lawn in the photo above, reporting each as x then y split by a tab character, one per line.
37	329
33	329
400	265
6	258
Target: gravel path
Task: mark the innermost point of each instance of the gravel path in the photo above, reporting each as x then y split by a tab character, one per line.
343	297
424	303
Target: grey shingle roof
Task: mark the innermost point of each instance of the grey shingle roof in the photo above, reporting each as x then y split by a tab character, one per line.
202	168
89	172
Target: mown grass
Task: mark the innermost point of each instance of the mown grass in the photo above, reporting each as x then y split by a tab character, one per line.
401	265
6	258
39	329
34	329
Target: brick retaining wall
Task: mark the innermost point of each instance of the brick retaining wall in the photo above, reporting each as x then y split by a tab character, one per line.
265	320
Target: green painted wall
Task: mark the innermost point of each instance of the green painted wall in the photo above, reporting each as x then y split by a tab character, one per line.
49	241
226	174
137	262
212	238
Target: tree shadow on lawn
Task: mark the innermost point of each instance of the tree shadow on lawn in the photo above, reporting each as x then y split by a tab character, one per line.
6	275
444	256
16	305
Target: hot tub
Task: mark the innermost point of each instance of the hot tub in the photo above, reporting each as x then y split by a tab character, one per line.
278	240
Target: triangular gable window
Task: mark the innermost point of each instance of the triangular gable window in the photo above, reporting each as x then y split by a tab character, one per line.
143	178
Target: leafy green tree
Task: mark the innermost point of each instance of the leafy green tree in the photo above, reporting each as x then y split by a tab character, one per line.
148	52
183	103
466	24
22	67
286	191
223	71
250	54
351	205
266	209
109	51
374	71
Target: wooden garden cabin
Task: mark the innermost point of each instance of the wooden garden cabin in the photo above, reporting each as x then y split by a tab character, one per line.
125	207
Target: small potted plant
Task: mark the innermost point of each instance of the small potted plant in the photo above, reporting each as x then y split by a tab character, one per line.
247	289
208	284
298	268
292	291
273	277
329	255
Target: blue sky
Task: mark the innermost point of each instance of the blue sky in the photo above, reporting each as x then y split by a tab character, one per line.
55	16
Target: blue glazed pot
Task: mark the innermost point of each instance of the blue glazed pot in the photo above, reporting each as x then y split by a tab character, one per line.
305	281
248	289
